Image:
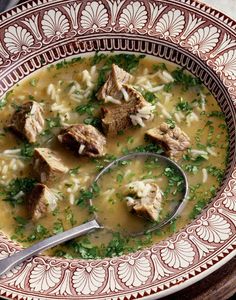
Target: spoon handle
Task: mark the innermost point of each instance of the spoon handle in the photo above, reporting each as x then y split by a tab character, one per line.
7	263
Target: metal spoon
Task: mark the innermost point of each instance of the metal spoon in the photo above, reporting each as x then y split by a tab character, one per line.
15	259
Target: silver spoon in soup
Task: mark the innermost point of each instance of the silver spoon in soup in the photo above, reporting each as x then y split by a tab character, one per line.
148	189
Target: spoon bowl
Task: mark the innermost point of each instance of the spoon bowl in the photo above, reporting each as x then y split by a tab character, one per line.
9	262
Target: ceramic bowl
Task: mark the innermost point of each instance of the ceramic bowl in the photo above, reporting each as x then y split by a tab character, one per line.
185	32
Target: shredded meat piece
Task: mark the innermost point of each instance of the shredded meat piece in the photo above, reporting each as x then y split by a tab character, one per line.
174	140
144	199
84	140
119	117
27	121
47	165
112	90
41	201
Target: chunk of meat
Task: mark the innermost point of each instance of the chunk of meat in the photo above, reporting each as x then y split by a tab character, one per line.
41	201
117	118
27	121
47	165
84	140
112	90
174	140
144	199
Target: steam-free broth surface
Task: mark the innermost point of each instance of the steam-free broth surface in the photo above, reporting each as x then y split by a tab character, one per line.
113	188
67	94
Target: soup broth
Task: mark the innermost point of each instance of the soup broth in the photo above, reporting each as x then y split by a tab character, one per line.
67	93
113	188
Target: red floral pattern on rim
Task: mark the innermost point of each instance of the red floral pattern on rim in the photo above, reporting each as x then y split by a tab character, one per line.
43	31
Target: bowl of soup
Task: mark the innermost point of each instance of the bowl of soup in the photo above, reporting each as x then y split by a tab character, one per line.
83	83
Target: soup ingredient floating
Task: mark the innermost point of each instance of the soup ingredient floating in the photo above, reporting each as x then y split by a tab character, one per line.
147	202
27	121
144	199
85	114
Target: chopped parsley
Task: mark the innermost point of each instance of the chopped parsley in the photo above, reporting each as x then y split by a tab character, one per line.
198	208
84	249
33	82
175	181
31	97
87	108
150	97
53	122
94	121
184	106
160	66
171	123
27	149
39	232
24	185
168	87
68	63
86	195
4	100
119	178
217	114
216	172
149	147
74	171
191	168
187	81
58	227
117	246
103	161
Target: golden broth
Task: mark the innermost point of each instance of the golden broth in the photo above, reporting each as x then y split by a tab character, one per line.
112	190
64	90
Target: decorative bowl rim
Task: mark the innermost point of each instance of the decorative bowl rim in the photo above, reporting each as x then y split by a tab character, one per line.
186	31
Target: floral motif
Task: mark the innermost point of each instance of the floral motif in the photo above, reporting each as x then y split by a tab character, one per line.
64	287
134	272
87	280
44	277
21	34
159	270
202	248
115	6
178	255
32	23
204	39
73	10
193	23
54	23
229	215
20	280
3	253
226	63
13	271
18	39
94	16
133	16
214	229
229	195
3	52
112	284
225	44
171	23
156	10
